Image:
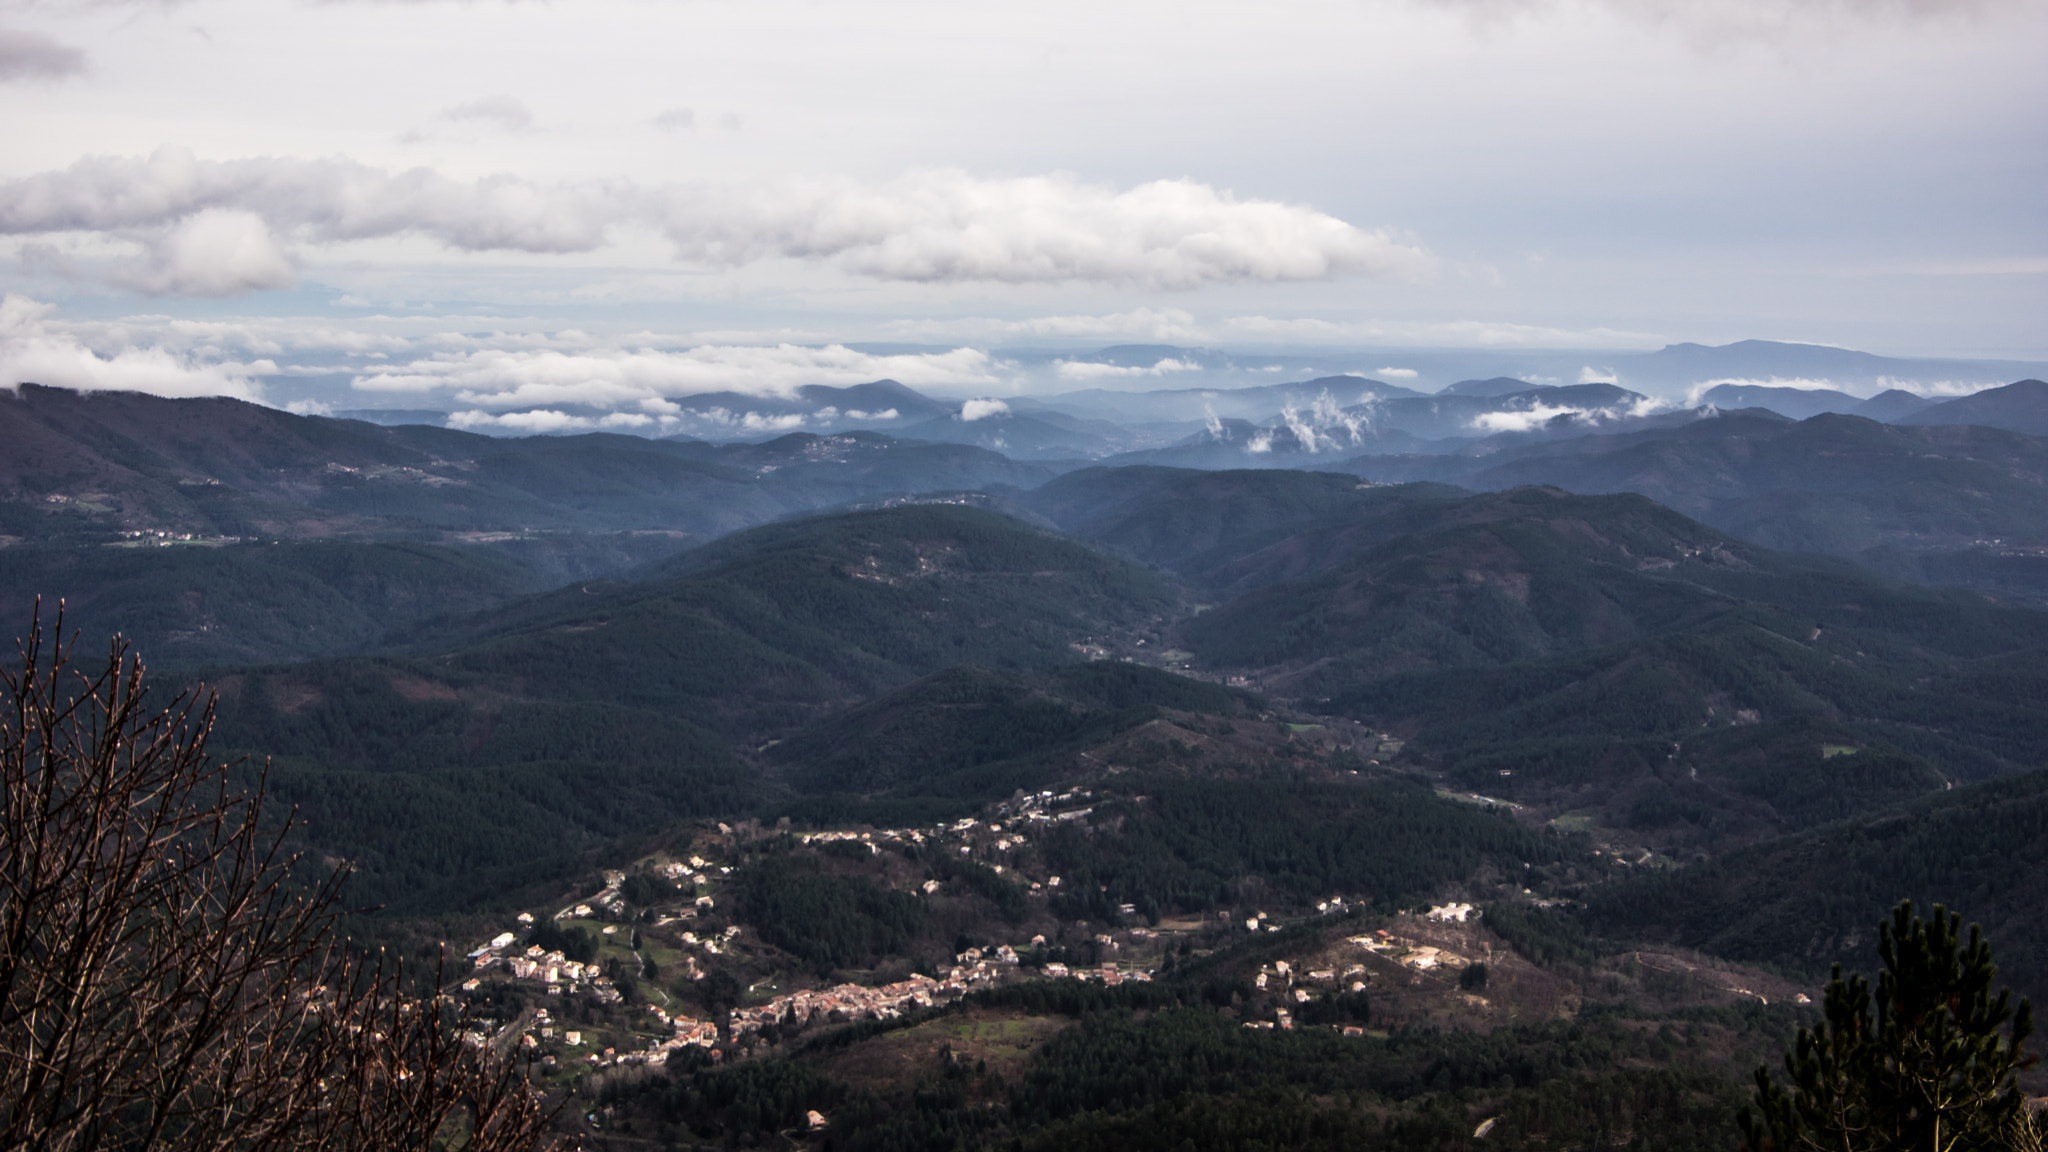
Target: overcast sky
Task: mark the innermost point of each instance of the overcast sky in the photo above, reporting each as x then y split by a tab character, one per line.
317	181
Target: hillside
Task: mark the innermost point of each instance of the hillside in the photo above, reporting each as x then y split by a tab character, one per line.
619	706
84	468
1607	656
220	531
1197	524
1060	1019
1949	504
260	603
1810	900
970	733
2019	407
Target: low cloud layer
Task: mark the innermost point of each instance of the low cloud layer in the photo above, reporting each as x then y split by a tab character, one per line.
648	379
35	352
1540	414
1091	370
939	226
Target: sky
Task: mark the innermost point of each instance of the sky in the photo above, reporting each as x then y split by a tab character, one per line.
416	201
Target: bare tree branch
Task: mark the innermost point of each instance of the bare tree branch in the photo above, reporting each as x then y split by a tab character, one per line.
165	982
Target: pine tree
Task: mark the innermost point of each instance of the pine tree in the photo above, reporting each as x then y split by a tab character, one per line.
1927	1064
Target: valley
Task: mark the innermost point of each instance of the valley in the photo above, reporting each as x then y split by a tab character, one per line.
860	792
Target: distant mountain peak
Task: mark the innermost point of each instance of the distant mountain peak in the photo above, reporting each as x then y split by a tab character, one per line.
2021	406
1687	347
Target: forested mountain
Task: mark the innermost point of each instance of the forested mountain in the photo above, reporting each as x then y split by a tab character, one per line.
1806	901
1201	525
259	603
83	466
1945	504
1598	655
216	530
2019	407
1609	655
968	732
607	707
1796	403
1380	803
767	624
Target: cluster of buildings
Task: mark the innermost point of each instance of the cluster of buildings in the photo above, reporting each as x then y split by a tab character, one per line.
849	1002
1421	957
1108	974
552	969
1284	973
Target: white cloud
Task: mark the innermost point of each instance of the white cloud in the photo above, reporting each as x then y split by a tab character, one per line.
1592	375
309	408
949	226
516	378
676	120
505	112
1525	419
1520	421
318	201
34	351
983	409
34	56
213	252
1090	370
544	420
1397	373
940	226
1943	389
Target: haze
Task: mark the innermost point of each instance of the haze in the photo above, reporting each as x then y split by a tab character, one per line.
226	197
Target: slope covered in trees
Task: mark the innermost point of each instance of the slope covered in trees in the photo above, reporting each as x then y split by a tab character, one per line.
257	603
608	708
969	732
1537	646
1955	504
769	624
1809	900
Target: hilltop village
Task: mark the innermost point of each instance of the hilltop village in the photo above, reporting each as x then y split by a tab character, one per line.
653	962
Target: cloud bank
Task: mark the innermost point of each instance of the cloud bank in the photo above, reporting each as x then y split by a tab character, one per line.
936	226
31	351
647	379
1538	415
1091	370
950	226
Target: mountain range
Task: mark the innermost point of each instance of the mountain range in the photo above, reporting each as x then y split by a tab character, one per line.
1531	776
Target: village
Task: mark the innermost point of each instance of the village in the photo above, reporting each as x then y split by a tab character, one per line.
683	936
682	932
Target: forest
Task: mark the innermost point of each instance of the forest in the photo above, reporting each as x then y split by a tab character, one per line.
1226	809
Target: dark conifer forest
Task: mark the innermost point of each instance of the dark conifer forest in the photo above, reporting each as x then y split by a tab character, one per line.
859	792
